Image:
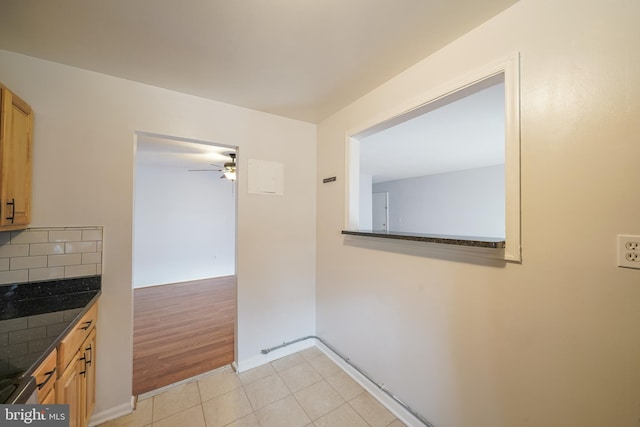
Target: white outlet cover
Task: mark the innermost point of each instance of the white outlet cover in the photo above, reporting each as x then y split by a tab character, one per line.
628	246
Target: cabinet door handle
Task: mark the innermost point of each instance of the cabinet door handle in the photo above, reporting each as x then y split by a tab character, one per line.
87	325
12	203
49	376
90	358
84	373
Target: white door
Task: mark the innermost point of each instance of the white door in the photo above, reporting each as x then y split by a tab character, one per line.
380	211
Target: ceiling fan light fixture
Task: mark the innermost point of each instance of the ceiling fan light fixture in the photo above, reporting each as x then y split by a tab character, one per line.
230	168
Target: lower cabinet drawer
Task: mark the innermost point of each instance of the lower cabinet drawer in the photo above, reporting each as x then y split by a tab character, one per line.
45	376
74	339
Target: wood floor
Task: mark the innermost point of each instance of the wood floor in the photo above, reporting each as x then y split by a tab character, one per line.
181	330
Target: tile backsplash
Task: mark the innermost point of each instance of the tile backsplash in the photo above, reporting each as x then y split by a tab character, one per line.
39	254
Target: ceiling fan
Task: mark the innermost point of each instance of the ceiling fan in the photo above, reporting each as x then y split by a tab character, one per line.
228	169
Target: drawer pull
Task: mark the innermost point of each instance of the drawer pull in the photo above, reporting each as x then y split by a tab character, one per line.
49	376
87	325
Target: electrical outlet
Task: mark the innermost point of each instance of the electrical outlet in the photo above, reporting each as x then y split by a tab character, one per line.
631	246
628	251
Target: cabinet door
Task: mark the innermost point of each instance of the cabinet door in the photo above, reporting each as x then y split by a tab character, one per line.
69	390
50	398
89	348
15	149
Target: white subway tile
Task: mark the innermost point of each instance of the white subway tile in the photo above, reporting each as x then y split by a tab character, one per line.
13	325
4	264
91	235
46	273
80	270
99	269
27	262
44	319
46	248
14	250
29	236
92	258
68	315
79	247
14	276
5	237
65	236
64	260
99	246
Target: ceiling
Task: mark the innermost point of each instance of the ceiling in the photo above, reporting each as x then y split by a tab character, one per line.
302	59
181	153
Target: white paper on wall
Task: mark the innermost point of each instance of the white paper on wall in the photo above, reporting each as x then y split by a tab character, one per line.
265	177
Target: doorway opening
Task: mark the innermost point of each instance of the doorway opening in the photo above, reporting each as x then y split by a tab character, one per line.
184	259
380	211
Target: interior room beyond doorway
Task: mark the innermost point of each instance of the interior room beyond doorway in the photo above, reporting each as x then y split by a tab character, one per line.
184	259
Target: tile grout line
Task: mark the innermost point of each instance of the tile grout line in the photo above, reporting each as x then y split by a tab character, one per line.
294	394
204	417
153	403
323	378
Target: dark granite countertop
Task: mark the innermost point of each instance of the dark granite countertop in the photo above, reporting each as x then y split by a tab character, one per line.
34	317
475	241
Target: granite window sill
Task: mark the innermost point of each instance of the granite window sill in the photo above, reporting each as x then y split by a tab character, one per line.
468	241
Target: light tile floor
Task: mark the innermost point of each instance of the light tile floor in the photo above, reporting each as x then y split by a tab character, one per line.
302	389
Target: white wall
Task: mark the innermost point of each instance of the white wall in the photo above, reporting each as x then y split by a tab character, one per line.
365	195
83	174
461	203
184	225
550	342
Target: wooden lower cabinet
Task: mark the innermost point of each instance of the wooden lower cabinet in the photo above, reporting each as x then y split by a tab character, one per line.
76	367
68	374
49	399
45	376
76	385
69	390
89	377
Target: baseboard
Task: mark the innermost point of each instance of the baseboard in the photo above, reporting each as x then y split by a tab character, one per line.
111	414
401	413
254	362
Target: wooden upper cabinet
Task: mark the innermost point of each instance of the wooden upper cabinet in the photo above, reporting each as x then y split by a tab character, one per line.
16	124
